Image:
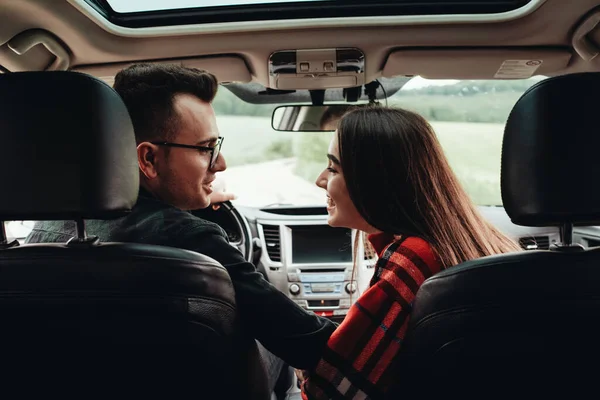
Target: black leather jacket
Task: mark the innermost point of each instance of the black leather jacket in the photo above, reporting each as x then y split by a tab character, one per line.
284	328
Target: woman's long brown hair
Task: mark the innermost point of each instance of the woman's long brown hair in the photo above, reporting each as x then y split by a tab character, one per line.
401	183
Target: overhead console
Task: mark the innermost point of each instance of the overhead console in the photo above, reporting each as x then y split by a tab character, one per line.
316	69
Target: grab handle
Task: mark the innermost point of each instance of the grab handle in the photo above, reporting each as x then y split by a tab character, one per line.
25	41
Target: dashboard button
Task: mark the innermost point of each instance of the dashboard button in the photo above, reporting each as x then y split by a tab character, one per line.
350	287
294	288
292	277
328	66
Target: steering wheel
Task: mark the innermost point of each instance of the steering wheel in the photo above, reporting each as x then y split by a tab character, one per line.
234	224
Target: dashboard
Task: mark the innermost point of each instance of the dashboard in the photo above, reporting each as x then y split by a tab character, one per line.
311	262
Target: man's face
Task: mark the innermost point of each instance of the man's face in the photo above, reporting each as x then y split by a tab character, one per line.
184	176
330	125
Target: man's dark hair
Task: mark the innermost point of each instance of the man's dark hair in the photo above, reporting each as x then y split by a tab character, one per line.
336	111
148	91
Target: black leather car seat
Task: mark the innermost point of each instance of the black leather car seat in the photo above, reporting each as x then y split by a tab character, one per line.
86	317
525	325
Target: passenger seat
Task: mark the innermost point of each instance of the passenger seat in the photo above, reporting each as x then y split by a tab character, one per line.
527	324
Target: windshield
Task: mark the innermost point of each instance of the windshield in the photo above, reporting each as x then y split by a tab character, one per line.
266	167
481	6
124	6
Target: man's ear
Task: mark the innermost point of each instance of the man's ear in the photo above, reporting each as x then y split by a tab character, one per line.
147	158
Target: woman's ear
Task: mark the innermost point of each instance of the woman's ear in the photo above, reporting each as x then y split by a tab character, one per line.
147	158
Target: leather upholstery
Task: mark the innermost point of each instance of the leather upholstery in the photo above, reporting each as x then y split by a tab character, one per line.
509	321
110	318
70	135
522	324
550	154
111	305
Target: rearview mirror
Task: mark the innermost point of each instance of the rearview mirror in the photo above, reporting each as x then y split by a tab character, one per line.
309	118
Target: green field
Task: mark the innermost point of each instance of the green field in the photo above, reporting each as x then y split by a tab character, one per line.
250	140
483	108
473	150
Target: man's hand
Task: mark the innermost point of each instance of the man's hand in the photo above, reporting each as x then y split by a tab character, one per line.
301	375
219	195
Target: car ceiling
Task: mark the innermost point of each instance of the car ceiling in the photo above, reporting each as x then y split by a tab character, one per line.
239	53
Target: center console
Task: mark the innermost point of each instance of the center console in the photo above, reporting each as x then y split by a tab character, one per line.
312	262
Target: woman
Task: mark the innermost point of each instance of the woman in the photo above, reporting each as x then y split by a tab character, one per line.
387	176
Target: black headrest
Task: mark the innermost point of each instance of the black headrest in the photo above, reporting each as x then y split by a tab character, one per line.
550	153
67	148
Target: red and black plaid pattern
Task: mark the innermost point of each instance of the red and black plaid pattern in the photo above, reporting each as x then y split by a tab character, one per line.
356	362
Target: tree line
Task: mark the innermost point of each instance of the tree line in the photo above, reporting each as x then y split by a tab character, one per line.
465	101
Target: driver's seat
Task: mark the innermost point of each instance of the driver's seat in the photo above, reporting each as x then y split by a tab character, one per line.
86	317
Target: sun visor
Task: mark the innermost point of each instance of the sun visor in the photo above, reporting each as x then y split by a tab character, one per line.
226	68
476	63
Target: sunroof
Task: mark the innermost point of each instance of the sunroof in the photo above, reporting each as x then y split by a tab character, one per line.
154	13
129	6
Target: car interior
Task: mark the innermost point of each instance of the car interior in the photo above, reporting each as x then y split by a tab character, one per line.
508	86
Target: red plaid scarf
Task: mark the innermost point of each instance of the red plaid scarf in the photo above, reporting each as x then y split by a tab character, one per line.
356	362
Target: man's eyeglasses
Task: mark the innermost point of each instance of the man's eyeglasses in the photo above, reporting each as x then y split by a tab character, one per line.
214	150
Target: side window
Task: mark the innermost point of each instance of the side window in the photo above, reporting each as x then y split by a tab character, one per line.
468	117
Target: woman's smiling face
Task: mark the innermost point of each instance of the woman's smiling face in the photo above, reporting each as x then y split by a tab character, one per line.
341	209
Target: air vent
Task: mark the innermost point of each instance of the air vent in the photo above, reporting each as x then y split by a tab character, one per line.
296	210
593	243
535	242
370	253
273	242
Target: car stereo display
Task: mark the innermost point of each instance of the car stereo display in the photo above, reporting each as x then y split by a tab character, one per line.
320	244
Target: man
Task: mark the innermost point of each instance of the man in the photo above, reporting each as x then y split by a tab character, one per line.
178	151
332	115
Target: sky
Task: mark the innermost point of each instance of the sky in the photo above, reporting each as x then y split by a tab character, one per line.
147	5
417	82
